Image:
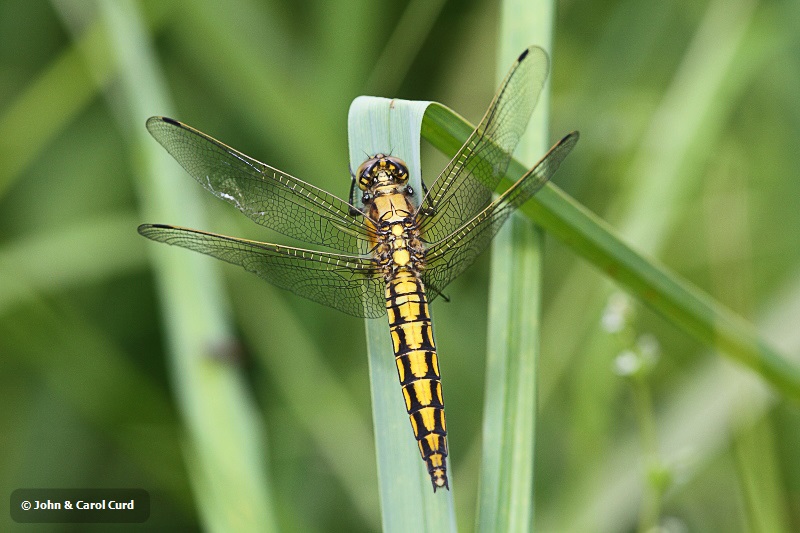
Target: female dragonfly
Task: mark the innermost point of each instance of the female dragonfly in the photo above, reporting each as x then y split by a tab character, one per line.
412	251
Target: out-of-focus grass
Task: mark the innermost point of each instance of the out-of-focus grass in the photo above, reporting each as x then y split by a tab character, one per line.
505	499
275	80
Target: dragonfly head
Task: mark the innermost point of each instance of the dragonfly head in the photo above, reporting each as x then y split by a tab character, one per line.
382	170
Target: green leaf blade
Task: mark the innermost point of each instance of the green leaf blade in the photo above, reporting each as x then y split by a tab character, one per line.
408	503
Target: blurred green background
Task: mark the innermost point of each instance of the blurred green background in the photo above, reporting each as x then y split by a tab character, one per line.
690	126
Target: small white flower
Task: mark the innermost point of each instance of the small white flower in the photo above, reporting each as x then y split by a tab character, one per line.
649	348
627	363
616	313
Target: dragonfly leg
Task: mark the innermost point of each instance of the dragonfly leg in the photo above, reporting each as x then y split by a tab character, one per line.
426	210
353	210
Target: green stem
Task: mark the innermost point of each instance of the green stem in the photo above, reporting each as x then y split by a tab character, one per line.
505	498
651	505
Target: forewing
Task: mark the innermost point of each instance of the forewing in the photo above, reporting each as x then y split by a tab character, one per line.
350	284
465	186
448	258
268	196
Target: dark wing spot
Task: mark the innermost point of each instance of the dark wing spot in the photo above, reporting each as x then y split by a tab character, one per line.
171	121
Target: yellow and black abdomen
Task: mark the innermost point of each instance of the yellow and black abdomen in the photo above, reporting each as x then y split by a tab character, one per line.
418	369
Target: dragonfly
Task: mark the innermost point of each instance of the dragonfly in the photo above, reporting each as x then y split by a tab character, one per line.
384	254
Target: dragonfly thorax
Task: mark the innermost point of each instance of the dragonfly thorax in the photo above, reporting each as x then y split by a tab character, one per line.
386	198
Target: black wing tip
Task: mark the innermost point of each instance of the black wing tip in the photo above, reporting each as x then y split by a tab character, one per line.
532	48
158	118
565	144
143	228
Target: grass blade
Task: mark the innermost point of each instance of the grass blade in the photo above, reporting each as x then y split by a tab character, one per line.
379	125
505	499
225	448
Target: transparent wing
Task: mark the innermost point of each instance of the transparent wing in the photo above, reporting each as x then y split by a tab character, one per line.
351	284
465	186
268	196
448	258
